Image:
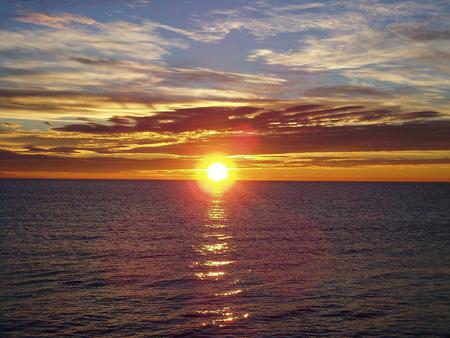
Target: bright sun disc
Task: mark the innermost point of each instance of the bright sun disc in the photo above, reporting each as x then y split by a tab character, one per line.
217	172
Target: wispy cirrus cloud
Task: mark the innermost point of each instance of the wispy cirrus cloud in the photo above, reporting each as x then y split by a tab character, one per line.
73	53
373	43
347	92
56	20
87	57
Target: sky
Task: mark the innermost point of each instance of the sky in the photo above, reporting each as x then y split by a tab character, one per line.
287	90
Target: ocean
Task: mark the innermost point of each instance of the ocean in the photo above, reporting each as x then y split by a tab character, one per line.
122	258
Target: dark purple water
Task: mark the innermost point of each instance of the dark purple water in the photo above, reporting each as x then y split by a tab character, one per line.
142	258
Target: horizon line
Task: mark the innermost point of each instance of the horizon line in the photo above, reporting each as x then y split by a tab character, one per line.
240	180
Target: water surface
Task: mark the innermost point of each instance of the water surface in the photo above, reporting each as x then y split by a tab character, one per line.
143	258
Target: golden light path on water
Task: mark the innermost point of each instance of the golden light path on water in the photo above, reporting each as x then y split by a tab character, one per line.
215	266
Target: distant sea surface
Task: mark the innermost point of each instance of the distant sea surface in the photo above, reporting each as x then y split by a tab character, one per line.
161	258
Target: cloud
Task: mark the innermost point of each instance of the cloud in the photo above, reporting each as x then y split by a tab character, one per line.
175	76
8	126
68	20
345	160
347	91
414	136
52	104
260	118
70	53
359	47
63	150
130	57
408	48
32	164
56	20
60	55
268	21
180	120
301	128
16	162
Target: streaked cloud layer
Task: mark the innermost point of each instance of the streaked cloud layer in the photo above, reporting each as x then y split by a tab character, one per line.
289	89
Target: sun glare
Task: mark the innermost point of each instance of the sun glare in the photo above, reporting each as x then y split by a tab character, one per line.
217	172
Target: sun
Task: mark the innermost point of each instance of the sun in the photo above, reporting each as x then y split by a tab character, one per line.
217	172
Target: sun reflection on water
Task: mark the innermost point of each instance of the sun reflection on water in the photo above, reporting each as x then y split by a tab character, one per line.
214	266
214	248
217	263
